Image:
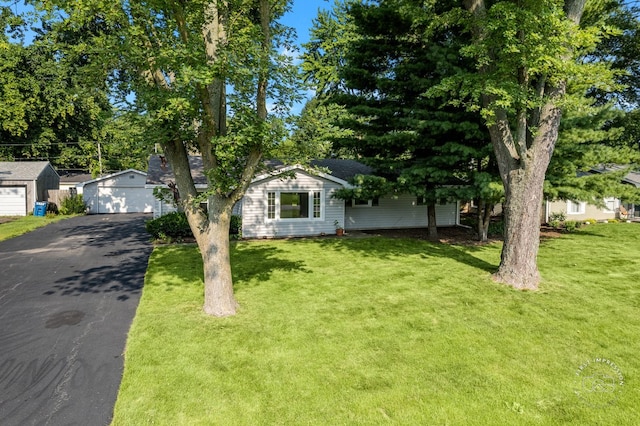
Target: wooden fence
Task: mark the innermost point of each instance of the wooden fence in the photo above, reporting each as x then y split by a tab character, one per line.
57	195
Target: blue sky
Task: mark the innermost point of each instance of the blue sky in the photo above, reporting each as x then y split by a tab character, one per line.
301	15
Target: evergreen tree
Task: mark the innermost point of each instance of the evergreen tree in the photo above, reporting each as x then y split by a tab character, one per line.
380	78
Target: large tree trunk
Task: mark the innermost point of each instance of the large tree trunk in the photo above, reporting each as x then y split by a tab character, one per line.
518	263
214	248
523	154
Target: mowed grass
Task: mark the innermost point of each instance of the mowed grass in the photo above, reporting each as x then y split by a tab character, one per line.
388	331
13	226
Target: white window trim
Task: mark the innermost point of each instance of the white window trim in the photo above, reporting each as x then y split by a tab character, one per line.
581	207
361	206
310	192
615	207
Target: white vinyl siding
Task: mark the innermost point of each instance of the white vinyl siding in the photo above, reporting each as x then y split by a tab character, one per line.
262	207
399	212
123	192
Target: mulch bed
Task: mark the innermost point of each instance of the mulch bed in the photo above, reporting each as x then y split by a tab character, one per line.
6	219
452	235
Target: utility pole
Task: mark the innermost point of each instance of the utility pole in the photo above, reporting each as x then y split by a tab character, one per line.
100	159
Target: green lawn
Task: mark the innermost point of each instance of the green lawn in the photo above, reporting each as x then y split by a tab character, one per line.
390	331
13	226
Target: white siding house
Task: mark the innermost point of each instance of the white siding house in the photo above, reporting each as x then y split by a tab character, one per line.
279	205
403	211
303	206
121	192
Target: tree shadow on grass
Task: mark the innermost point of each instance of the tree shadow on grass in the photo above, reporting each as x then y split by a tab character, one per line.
249	263
387	248
257	263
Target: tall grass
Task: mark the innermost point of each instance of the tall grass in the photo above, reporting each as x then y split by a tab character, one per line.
387	331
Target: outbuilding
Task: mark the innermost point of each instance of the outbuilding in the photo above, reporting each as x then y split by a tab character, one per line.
121	192
22	183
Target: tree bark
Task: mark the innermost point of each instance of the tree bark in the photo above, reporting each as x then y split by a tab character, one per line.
484	220
518	261
432	226
219	299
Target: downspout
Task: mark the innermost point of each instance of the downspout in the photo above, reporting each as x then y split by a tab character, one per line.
546	211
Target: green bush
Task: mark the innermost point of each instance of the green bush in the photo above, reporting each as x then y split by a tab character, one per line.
169	227
571	225
174	226
73	204
556	224
613	220
235	230
557	217
591	221
496	228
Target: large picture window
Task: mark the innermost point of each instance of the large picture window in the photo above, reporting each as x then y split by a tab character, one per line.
294	205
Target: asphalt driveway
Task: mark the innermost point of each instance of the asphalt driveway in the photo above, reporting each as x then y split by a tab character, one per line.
68	294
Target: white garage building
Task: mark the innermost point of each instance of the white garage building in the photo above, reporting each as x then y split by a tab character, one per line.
121	192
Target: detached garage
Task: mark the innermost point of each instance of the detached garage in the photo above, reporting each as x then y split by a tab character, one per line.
121	192
22	183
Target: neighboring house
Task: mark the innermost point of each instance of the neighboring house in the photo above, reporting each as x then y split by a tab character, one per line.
580	210
22	183
121	192
276	205
73	179
613	208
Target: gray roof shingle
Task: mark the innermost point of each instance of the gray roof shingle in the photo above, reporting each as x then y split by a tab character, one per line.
22	170
161	174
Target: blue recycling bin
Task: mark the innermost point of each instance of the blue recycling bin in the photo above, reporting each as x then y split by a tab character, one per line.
40	209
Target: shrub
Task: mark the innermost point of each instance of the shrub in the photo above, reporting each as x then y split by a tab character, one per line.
52	209
174	226
591	221
613	221
235	230
496	228
169	227
73	204
556	224
557	216
571	225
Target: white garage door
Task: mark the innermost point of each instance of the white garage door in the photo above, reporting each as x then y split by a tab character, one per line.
125	200
13	201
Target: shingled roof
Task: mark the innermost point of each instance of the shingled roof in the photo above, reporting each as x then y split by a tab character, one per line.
22	170
160	172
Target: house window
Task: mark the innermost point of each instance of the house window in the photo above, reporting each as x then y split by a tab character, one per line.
610	205
271	205
317	211
294	205
361	202
574	207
